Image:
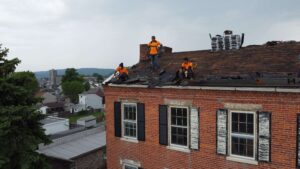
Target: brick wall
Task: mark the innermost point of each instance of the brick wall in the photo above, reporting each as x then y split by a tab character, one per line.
152	155
56	163
92	160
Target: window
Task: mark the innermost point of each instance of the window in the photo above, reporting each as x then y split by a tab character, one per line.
179	123
242	134
128	166
129	117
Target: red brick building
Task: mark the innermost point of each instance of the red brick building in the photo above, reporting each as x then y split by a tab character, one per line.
239	111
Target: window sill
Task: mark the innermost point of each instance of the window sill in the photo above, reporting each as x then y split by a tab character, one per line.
132	140
185	150
242	160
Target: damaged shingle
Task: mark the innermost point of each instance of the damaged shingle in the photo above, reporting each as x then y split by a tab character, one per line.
244	67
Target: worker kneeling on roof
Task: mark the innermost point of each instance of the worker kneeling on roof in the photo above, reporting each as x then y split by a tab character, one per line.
186	70
121	73
154	46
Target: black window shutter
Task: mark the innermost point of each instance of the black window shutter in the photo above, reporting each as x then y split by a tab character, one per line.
222	123
194	128
298	142
118	123
264	136
163	124
141	121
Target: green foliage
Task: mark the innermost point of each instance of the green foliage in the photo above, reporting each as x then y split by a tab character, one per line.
72	89
74	117
20	129
73	84
99	77
71	75
87	86
7	66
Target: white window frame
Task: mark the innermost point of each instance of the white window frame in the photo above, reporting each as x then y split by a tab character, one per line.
129	165
169	128
234	156
123	125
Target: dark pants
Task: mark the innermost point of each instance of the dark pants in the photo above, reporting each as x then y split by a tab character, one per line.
154	64
185	74
123	77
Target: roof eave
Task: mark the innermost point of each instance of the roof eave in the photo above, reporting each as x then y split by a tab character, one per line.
224	88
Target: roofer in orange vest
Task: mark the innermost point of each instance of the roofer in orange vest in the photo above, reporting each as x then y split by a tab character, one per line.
121	72
186	70
154	46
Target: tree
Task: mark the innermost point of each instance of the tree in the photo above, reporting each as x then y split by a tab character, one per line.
98	76
71	74
20	129
73	84
87	86
72	89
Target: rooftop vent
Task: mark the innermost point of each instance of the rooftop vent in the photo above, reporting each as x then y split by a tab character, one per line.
226	42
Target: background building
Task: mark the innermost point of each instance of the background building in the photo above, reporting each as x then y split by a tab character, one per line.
52	78
78	148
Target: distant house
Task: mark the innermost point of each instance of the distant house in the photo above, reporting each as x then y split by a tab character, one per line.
92	99
80	149
55	107
77	108
53	125
48	98
44	109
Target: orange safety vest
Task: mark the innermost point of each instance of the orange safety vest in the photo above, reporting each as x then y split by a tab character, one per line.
122	70
187	65
154	47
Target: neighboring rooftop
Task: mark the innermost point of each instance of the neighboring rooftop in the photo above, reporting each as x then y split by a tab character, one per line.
98	91
74	145
55	104
274	64
52	119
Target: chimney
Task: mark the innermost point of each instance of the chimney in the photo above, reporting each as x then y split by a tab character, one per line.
144	51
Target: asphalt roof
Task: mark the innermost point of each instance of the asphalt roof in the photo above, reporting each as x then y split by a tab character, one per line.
66	148
271	64
98	91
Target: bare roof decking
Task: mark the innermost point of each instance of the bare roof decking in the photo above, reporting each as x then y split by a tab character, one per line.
255	65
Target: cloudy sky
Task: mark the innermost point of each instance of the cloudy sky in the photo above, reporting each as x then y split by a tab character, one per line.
47	34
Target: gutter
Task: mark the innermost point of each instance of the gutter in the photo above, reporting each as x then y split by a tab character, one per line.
254	89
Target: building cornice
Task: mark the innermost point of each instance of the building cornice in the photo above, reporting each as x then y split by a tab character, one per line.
252	89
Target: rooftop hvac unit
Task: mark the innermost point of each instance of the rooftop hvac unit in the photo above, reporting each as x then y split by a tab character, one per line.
226	42
235	41
217	43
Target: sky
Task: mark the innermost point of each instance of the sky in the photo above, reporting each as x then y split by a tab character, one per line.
46	34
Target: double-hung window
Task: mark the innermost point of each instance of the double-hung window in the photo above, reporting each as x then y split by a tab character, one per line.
129	120
179	126
242	134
